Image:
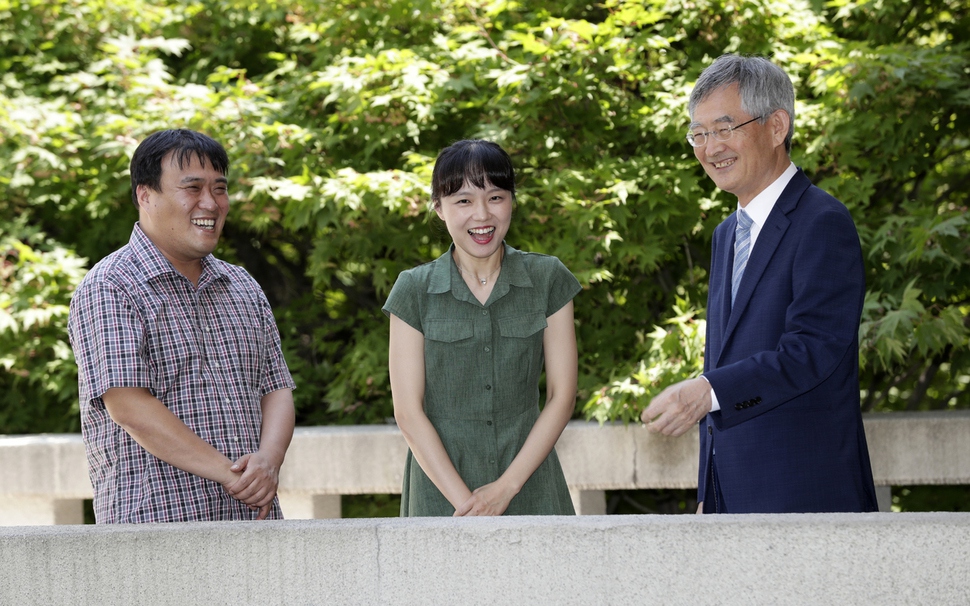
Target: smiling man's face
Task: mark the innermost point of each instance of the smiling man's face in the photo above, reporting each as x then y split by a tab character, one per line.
747	162
185	219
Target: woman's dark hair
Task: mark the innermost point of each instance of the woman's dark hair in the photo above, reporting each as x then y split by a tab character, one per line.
146	163
474	161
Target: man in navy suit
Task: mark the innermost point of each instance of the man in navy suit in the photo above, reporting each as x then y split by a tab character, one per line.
778	403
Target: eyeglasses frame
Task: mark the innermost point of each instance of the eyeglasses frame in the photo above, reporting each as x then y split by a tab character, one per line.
711	133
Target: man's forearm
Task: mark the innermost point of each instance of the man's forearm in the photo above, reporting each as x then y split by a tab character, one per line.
164	435
279	419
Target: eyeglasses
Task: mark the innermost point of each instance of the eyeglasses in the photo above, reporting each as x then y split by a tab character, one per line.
719	134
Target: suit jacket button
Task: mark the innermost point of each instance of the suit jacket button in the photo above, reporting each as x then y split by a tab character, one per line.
709	430
738	407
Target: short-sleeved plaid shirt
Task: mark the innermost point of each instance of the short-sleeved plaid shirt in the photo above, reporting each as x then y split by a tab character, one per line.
209	354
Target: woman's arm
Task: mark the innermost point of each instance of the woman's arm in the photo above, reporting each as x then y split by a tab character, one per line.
559	345
406	365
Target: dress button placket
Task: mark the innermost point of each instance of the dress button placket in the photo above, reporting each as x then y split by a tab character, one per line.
488	366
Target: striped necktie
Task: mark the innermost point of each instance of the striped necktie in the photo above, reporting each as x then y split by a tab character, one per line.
742	246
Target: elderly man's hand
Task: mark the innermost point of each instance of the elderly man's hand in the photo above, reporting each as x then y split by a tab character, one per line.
678	408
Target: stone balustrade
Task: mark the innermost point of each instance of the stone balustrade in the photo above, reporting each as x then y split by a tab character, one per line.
44	479
844	559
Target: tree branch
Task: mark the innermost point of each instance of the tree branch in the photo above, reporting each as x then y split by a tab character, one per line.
922	384
481	28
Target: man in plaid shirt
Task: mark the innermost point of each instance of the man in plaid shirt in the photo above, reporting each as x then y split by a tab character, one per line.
186	401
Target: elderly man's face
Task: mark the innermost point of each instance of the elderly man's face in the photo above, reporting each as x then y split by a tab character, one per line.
744	165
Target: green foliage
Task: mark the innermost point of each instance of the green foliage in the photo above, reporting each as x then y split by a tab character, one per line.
38	388
931	498
660	501
895	150
333	113
371	506
673	354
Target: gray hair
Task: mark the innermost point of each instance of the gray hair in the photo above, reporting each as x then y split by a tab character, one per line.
764	87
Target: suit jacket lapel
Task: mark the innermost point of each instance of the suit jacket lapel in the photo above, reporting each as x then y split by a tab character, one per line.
721	291
768	241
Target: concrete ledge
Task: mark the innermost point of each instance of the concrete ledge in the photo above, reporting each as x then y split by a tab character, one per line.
42	477
919	447
51	465
905	448
756	559
342	459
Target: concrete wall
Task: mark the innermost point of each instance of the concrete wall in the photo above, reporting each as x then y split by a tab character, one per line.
44	478
758	559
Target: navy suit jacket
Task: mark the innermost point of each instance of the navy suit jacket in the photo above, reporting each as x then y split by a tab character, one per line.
784	363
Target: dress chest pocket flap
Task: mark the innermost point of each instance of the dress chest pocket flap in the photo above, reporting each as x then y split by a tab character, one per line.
448	331
522	326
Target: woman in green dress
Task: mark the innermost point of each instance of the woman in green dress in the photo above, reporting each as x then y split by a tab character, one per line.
470	335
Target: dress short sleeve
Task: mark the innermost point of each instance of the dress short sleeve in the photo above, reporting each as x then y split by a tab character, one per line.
404	301
563	286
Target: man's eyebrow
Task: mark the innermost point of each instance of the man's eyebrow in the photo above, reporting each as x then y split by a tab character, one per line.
192	180
723	119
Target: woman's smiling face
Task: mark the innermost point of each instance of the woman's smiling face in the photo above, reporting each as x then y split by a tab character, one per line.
477	218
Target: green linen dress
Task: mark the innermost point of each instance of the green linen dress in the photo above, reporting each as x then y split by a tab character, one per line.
482	367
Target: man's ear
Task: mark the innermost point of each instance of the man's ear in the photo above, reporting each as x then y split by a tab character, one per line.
779	122
141	194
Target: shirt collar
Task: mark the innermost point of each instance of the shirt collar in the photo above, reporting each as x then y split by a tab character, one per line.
445	276
154	263
761	205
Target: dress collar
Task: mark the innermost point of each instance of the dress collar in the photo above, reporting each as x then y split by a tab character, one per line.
445	276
